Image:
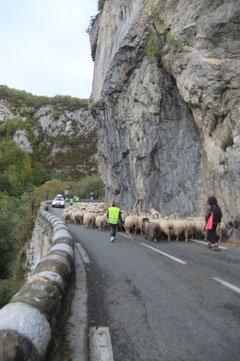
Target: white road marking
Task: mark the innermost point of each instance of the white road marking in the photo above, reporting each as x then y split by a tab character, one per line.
205	243
100	344
122	234
82	252
226	284
164	254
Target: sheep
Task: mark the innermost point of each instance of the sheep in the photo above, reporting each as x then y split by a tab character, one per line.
154	214
66	214
180	226
77	216
139	224
166	226
221	231
200	225
89	220
130	223
101	222
151	229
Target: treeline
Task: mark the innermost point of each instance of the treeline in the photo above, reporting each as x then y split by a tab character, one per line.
20	98
24	184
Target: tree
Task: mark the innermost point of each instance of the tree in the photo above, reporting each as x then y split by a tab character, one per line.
48	191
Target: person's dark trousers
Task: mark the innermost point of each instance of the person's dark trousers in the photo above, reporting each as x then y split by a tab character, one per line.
212	237
112	229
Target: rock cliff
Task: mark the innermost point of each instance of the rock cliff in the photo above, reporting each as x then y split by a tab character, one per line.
62	136
169	129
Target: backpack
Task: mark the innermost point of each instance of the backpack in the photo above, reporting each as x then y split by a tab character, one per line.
217	213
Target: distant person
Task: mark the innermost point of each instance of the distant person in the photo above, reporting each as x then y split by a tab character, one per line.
114	216
71	201
213	207
77	199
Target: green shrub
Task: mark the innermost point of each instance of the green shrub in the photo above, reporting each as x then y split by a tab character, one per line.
55	115
8	288
101	4
159	36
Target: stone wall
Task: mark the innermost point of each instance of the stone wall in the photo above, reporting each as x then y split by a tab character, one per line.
32	323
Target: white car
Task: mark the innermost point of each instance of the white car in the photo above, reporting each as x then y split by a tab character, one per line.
58	201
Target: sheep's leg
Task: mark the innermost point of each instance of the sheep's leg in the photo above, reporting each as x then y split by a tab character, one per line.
205	235
127	230
186	236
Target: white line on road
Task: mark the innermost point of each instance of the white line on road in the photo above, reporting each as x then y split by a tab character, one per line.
100	344
164	254
122	234
226	284
205	243
82	252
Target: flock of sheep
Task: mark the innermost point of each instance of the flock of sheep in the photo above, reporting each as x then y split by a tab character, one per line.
152	224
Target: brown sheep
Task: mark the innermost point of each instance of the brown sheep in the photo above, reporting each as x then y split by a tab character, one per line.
151	229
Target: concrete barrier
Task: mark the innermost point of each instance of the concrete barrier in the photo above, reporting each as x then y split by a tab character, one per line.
32	323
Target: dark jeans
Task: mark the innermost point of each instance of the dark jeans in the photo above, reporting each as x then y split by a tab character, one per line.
112	229
211	234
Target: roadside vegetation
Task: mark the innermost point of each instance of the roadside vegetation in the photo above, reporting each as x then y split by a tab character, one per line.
27	179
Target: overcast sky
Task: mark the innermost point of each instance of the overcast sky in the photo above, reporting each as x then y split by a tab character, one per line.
44	47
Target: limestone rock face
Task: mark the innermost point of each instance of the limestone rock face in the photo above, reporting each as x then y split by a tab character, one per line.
5	111
67	138
20	138
169	130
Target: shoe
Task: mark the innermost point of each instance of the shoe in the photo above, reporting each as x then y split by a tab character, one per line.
215	248
209	245
112	239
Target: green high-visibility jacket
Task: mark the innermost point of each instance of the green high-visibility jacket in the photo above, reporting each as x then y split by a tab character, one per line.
113	215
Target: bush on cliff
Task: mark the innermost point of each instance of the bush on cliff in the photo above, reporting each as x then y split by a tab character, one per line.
101	4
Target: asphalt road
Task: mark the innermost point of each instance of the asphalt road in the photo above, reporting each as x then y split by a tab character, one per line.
182	304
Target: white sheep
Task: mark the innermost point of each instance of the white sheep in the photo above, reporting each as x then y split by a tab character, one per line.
89	220
130	223
200	225
166	226
101	222
180	226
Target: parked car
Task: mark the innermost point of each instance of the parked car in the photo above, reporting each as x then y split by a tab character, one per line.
58	201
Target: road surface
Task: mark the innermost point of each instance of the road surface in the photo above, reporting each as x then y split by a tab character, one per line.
165	301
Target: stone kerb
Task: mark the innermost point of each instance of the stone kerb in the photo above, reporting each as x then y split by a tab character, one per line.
31	322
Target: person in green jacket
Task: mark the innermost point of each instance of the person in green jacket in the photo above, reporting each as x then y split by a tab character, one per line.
114	216
71	201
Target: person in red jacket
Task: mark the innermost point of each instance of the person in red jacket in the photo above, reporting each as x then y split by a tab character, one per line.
213	207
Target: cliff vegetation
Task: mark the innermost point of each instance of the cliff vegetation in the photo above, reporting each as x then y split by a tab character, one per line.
32	170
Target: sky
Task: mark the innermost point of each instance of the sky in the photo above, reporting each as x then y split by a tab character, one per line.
44	47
